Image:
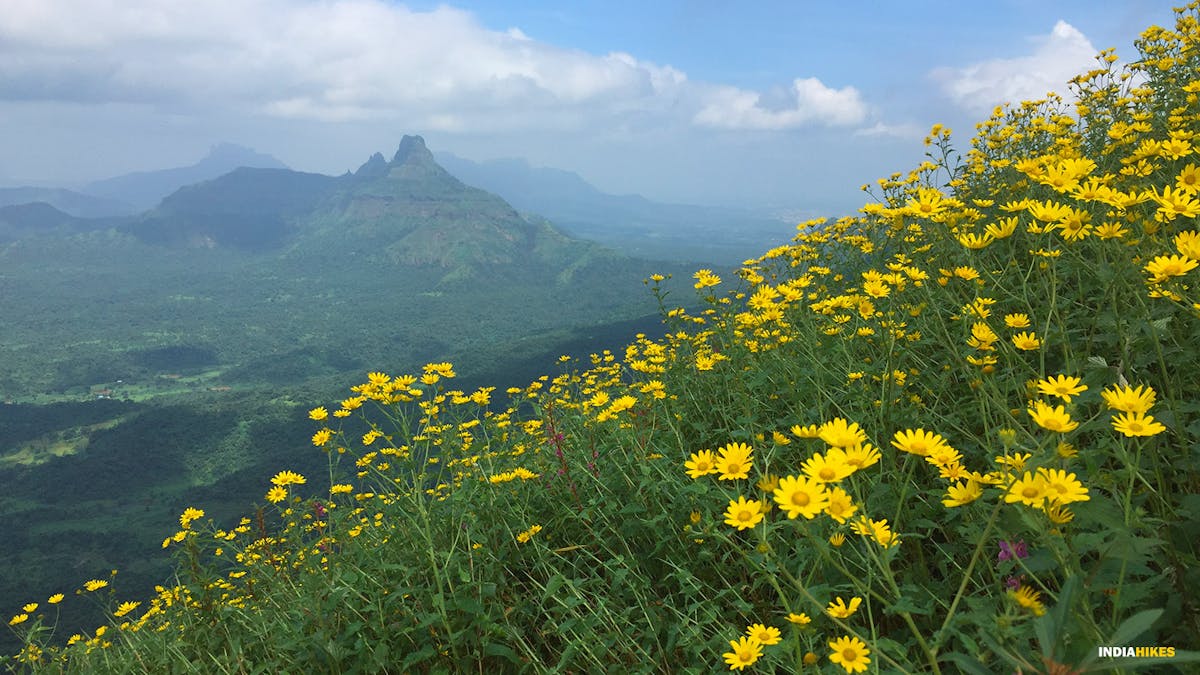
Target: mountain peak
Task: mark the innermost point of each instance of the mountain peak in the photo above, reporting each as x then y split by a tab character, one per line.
374	167
412	150
226	155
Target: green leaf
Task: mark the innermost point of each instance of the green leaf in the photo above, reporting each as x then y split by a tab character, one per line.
908	604
968	664
553	585
417	656
1134	626
1055	622
493	649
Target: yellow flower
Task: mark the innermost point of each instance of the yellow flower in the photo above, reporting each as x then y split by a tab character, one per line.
1188	244
966	273
1053	419
734	461
919	442
1062	487
55	599
974	241
1016	320
743	514
838	608
1015	461
276	494
1065	450
767	635
801	496
20	618
1137	424
705	278
30	607
837	539
705	361
829	468
768	483
1029	599
840	506
525	536
318	414
1059	514
849	653
800	619
1026	341
94	585
810	431
322	437
284	478
1111	231
861	456
1002	229
961	493
1129	399
746	651
879	530
1029	490
1189	179
190	515
701	464
1165	267
125	608
1061	386
842	434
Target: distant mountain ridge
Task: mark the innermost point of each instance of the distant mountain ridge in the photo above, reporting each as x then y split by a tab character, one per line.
68	201
145	189
408	211
630	223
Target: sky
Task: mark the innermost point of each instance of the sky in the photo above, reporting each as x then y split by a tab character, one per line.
770	104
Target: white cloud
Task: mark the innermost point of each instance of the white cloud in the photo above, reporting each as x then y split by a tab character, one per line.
354	60
808	102
902	131
1056	58
333	60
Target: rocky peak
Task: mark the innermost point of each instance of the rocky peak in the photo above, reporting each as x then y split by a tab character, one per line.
373	167
412	150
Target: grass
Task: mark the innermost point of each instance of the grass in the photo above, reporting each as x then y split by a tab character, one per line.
959	432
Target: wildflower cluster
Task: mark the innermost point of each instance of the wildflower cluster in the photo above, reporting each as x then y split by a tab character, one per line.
825	447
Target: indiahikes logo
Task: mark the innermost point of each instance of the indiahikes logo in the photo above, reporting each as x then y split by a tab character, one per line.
1141	652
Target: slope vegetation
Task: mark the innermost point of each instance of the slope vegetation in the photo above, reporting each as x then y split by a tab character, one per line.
959	432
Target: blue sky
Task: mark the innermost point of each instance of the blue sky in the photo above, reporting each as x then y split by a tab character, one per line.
788	105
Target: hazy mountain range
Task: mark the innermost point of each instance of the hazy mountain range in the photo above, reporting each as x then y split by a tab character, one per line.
628	223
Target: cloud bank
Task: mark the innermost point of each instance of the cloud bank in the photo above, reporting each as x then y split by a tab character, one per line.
349	60
1056	58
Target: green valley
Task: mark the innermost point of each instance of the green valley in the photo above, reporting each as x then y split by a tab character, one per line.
159	360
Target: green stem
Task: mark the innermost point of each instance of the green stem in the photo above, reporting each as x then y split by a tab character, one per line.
962	587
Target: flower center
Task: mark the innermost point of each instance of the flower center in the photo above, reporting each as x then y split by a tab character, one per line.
800	498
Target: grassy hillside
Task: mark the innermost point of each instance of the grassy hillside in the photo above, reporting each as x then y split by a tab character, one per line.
959	432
